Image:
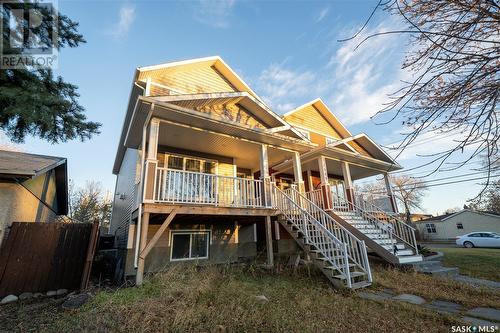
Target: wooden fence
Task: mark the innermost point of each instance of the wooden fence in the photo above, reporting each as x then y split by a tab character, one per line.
37	257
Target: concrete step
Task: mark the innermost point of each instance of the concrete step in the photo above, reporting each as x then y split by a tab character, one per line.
353	274
409	259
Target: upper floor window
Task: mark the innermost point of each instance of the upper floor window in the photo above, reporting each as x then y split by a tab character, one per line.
330	141
460	226
187	163
431	228
304	133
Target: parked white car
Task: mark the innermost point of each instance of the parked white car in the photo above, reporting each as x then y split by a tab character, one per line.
479	239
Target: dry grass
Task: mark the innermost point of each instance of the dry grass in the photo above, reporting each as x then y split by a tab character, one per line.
214	298
191	299
432	288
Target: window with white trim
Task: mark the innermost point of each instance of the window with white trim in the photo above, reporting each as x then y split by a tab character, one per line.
330	141
189	245
187	163
431	228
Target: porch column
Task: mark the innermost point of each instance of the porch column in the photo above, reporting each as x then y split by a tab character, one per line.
349	189
269	242
139	277
390	193
264	176
297	172
325	186
151	160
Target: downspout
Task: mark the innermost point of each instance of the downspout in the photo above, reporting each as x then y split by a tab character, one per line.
139	217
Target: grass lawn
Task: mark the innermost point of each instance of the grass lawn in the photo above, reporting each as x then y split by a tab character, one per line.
478	263
187	298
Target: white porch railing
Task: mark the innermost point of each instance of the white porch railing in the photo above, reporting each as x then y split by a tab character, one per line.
316	196
382	202
186	187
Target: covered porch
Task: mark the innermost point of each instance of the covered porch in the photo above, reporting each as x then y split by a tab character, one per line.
329	174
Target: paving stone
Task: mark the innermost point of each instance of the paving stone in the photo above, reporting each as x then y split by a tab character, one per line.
37	295
9	299
24	296
413	299
75	301
477	322
380	296
477	282
444	306
487	313
261	299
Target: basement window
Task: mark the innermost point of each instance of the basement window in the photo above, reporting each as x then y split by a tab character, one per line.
431	228
189	245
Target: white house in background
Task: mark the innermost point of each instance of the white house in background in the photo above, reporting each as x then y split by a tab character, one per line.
449	226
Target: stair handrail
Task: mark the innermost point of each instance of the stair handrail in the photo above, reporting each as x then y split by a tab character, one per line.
302	219
399	229
356	247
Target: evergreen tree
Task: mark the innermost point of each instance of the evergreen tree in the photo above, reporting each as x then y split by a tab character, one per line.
32	100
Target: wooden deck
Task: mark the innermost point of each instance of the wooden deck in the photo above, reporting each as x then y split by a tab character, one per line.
162	208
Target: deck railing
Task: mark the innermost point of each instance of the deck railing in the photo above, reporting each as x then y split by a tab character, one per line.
186	187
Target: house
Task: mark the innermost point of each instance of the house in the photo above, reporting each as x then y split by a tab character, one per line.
207	172
33	188
449	226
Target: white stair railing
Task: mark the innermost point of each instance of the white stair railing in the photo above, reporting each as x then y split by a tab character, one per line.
400	229
334	242
390	226
355	247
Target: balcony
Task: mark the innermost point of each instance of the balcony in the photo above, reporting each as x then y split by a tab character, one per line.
197	188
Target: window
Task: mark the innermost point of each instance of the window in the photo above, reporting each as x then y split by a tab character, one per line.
304	133
330	141
189	245
285	183
190	164
460	226
431	228
475	235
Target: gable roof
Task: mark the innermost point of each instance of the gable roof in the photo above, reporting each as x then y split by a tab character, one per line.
17	164
444	217
326	114
214	61
367	144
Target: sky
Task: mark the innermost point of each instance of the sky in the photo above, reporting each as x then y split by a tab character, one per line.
288	52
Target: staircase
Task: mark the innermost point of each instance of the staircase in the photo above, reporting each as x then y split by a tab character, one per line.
392	239
337	252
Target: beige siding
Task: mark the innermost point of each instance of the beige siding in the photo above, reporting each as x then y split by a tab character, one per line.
471	222
189	79
310	117
17	204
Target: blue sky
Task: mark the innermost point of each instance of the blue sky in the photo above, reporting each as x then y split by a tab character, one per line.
286	51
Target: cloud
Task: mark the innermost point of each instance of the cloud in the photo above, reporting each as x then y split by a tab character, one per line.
215	13
125	20
354	83
322	14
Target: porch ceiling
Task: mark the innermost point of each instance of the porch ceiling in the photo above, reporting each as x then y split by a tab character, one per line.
246	154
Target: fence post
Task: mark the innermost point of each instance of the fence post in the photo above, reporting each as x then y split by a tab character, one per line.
94	236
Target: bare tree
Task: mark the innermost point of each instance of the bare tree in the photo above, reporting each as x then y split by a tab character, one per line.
409	191
454	62
89	203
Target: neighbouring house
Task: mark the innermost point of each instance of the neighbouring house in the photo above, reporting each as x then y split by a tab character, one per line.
414	217
449	226
207	172
33	188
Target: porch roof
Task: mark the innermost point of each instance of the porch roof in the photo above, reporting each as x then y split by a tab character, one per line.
186	120
361	166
